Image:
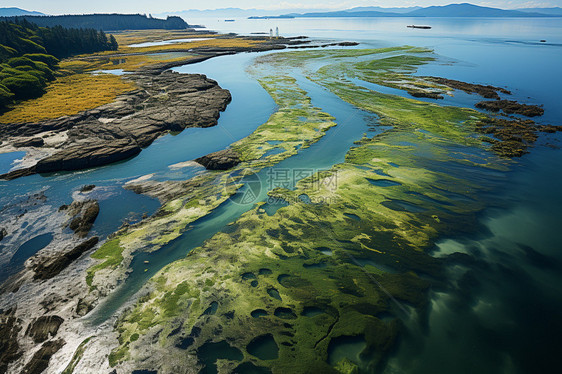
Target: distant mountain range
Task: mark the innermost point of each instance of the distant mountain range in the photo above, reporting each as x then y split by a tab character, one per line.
233	12
552	11
452	10
383	10
12	12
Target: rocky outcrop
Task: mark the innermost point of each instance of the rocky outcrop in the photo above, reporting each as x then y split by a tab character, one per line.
40	360
3	233
84	214
53	266
9	347
428	94
511	107
511	138
487	92
43	328
167	101
87	188
33	142
88	156
221	160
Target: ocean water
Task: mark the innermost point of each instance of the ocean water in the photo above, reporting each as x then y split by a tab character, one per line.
500	315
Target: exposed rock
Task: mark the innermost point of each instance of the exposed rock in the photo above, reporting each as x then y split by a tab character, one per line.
511	137
428	94
163	191
53	266
487	92
33	142
18	173
167	101
83	214
88	188
44	327
3	233
85	305
9	347
40	360
88	156
511	107
221	160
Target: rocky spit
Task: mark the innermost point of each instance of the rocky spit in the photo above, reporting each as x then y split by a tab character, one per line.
164	102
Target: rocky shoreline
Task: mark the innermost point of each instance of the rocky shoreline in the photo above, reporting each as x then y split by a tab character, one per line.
41	305
165	102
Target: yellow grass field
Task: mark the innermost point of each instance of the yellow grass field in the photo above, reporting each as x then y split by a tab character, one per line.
77	90
125	38
69	95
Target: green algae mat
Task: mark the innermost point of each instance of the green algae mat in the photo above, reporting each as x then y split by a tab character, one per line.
320	285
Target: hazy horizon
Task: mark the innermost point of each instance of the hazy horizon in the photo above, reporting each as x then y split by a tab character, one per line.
148	6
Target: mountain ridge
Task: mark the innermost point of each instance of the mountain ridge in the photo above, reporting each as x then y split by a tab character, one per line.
13	12
451	10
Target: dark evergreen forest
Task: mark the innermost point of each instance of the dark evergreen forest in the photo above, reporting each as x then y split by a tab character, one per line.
29	55
107	22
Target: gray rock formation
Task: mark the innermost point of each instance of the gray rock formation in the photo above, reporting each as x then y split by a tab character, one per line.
40	360
9	347
33	142
84	214
43	328
53	266
221	160
166	102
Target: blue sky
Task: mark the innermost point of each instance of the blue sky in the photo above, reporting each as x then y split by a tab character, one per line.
152	6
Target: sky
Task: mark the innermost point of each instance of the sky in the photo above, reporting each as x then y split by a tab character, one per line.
152	6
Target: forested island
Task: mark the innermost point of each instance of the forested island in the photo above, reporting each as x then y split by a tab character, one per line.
106	22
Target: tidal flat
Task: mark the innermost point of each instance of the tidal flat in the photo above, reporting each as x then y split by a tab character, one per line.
314	275
267	272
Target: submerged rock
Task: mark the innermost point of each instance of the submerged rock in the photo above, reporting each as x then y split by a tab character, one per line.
221	160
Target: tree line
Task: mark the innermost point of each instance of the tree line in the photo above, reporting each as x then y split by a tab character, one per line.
29	55
107	22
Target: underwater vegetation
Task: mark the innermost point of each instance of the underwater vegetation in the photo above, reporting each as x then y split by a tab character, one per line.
313	287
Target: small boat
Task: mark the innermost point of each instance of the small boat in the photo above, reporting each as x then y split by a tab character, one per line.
229	20
418	27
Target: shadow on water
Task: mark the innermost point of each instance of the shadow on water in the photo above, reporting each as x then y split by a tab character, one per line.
347	347
264	347
209	353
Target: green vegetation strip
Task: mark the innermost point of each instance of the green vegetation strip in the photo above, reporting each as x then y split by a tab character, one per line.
355	252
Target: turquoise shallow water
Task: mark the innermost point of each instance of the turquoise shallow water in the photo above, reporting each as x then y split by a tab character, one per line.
499	315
